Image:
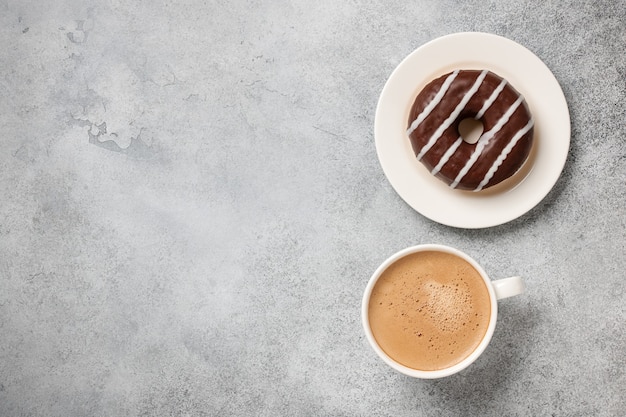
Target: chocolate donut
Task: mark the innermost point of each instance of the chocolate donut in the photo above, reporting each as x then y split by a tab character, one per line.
501	150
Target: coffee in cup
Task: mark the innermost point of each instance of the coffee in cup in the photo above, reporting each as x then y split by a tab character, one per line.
430	310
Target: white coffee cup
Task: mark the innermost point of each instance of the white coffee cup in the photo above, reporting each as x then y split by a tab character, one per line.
498	290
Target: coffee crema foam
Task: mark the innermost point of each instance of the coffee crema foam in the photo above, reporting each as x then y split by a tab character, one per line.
429	310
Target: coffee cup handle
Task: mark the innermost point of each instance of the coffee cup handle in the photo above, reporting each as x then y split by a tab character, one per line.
508	287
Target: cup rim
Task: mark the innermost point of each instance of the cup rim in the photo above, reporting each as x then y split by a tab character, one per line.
416	373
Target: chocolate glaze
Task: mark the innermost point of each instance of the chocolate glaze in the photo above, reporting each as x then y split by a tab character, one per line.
507	141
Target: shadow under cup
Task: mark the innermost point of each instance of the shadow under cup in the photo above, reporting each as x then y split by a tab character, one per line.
422	309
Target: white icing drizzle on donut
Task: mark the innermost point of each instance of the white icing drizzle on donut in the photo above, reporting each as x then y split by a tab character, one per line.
436	100
494	95
446	156
484	140
505	152
452	117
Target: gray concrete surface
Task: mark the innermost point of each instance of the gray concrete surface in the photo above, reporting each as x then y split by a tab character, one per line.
192	205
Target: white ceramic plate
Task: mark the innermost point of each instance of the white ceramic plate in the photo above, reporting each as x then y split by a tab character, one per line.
498	204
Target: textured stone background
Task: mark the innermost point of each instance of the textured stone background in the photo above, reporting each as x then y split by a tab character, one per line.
192	205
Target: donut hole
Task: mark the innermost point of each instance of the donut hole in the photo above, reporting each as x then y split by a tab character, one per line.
470	130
